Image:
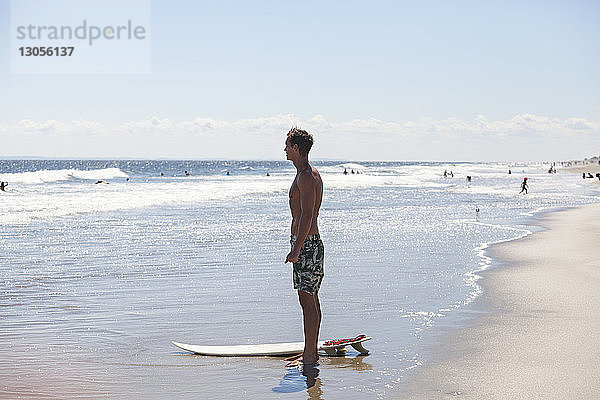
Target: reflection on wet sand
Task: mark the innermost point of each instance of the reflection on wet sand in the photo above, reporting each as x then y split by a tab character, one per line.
356	363
299	379
307	378
313	383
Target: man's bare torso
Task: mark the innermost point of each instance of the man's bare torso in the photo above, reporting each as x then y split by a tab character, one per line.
317	190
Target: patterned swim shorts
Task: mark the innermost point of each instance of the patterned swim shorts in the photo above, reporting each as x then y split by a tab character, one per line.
308	271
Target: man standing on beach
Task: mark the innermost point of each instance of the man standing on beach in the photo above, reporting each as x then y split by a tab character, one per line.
307	252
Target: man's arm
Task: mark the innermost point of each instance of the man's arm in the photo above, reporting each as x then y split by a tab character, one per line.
306	187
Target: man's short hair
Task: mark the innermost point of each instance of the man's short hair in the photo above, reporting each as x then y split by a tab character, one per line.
303	139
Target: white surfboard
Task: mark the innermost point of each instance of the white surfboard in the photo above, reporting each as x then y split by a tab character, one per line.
272	349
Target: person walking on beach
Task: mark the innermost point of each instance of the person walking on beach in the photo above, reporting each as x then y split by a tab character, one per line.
524	186
307	254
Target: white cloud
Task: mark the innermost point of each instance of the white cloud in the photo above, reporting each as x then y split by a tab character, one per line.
82	126
525	136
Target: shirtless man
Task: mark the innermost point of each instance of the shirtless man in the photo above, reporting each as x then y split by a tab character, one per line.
307	253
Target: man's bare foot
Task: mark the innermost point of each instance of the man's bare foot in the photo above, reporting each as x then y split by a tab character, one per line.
310	360
298	361
292	358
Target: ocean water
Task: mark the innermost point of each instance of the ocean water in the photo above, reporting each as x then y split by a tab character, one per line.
97	278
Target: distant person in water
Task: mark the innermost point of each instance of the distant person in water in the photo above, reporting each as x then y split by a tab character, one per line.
468	178
451	174
345	171
227	173
187	173
524	186
509	172
101	182
445	173
3	186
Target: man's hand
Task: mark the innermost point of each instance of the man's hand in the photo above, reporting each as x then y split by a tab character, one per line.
293	256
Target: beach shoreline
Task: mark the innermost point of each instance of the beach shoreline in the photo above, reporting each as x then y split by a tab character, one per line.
540	325
101	278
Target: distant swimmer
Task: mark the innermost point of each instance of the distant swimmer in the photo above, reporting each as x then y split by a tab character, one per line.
445	173
187	173
162	174
127	180
268	174
227	173
3	186
451	174
524	186
352	172
468	178
590	175
345	171
509	172
101	182
477	210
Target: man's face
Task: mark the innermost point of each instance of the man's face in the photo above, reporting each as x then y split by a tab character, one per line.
290	149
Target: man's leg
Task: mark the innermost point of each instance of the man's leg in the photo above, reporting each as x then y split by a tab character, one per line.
311	311
318	306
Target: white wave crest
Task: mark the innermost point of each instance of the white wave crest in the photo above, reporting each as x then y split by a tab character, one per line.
57	175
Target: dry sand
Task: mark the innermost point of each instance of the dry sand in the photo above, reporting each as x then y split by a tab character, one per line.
593	168
542	338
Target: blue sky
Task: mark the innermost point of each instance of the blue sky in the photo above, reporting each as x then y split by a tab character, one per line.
434	63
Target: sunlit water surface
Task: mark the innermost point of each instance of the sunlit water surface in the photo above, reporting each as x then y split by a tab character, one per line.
97	279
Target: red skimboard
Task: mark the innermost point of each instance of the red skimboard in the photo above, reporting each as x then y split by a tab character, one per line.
337	347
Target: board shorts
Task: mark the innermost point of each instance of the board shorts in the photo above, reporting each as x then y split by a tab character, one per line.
308	270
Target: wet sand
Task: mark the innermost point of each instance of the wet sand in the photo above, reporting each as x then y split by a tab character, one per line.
541	339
